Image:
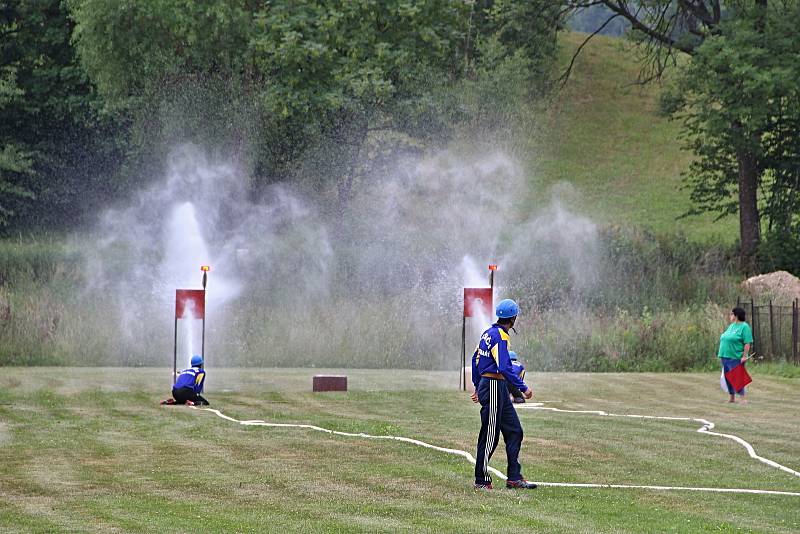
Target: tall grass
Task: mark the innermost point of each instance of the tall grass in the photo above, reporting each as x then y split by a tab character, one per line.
36	275
658	305
36	260
585	340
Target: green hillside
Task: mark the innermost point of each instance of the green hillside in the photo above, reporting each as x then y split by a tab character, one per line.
604	135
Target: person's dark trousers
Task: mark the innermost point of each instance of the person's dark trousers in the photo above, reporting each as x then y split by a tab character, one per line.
181	395
497	416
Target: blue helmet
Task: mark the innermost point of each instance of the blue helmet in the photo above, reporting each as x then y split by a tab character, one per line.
507	309
512	355
197	360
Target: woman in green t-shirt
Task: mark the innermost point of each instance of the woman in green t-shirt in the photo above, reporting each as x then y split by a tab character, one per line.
734	345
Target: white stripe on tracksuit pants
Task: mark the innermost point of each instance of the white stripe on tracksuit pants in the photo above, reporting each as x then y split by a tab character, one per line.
497	413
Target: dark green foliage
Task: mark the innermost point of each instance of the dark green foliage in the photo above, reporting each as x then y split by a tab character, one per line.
295	89
171	72
15	161
528	28
131	49
94	93
739	98
338	71
57	152
780	250
737	95
511	47
749	79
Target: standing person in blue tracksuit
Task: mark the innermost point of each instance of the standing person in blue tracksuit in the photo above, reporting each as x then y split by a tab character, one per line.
491	371
519	369
189	384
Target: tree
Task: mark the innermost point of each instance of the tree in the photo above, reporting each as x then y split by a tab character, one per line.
738	99
304	71
53	152
167	71
339	73
724	97
302	90
317	78
14	161
342	73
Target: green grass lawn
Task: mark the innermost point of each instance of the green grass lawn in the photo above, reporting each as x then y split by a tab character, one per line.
90	449
605	137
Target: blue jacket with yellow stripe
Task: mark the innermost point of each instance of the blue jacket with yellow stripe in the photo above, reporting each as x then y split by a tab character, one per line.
191	378
519	369
491	356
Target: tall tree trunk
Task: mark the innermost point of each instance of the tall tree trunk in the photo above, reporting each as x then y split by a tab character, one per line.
749	225
749	220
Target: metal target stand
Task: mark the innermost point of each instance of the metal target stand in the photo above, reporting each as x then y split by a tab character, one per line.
191	302
476	300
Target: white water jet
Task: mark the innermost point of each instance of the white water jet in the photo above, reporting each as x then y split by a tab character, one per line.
184	248
189	336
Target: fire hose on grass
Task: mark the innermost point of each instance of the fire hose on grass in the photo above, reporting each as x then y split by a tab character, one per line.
706	429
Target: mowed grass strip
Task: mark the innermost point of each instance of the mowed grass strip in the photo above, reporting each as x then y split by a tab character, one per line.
90	450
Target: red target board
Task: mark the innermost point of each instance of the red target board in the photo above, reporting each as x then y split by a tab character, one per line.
190	299
478	301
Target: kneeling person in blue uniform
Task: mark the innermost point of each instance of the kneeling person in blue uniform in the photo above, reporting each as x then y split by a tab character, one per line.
519	369
189	384
492	372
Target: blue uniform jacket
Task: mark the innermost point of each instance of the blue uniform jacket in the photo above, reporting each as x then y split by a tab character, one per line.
491	356
519	369
191	378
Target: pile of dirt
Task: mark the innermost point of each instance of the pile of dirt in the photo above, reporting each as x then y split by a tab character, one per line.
781	287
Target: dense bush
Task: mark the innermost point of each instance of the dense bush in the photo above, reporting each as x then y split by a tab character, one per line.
780	251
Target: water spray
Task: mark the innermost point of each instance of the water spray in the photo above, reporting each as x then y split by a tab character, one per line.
190	304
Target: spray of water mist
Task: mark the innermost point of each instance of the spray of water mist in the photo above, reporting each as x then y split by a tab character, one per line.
375	283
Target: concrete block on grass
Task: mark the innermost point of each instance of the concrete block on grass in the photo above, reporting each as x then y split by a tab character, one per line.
330	382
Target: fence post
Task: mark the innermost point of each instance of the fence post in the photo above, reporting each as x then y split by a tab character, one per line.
771	333
756	329
795	330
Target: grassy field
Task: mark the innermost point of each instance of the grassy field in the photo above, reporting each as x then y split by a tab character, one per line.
90	449
605	137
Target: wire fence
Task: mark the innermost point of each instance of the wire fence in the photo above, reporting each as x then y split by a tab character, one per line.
776	329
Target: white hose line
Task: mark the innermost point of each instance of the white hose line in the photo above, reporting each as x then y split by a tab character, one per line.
259	422
705	429
471	459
